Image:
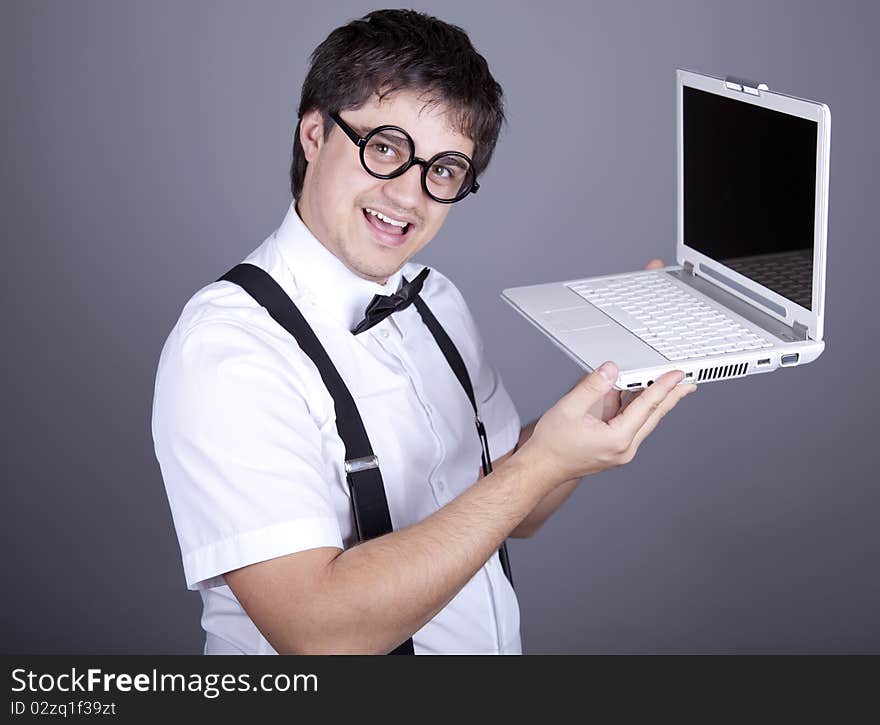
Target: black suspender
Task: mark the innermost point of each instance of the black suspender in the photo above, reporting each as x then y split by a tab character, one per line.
450	352
369	504
371	517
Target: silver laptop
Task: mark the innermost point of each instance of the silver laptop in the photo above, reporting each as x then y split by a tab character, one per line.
747	292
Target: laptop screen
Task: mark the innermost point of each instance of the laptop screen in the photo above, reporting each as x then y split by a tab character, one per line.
750	190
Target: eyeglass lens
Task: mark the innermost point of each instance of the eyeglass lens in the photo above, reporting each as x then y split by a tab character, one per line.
388	152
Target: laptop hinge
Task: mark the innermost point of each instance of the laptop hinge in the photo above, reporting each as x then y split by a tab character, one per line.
689	268
745	85
800	330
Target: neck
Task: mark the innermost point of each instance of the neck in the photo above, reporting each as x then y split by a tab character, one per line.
302	209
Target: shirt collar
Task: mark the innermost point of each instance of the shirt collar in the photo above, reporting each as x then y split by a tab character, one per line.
321	277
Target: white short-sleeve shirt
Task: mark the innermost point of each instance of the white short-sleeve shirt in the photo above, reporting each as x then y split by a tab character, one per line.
244	431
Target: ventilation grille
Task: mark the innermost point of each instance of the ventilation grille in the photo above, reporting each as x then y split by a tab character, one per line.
723	371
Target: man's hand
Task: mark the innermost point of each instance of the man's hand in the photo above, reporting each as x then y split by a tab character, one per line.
570	442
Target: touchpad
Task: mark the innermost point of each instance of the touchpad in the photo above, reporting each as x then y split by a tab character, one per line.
582	317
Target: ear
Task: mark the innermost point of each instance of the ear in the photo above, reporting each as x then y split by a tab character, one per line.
311	133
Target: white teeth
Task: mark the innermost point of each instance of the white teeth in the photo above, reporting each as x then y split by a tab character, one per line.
387	219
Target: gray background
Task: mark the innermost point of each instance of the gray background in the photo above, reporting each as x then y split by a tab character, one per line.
146	150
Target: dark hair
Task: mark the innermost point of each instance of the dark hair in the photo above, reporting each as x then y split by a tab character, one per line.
395	50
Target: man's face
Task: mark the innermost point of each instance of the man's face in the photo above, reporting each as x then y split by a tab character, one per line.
338	191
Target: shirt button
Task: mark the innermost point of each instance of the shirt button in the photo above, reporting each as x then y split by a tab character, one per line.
383	333
441	485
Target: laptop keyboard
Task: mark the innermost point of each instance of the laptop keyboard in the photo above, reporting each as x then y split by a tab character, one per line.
675	323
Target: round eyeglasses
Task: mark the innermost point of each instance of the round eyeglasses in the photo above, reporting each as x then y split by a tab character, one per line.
388	152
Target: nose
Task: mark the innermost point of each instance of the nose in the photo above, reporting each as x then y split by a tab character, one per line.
405	190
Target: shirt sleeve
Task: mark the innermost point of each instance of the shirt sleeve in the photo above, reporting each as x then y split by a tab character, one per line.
240	453
494	404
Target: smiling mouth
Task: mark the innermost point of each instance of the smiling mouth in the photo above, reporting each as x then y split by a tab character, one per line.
385	223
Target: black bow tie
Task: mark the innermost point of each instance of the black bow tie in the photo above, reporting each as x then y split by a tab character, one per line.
383	305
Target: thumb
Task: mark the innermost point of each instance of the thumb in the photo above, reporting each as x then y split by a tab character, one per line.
593	387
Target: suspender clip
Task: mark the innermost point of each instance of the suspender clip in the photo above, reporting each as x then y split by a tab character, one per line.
486	459
356	465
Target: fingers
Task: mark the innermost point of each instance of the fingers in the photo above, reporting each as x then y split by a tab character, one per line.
655	264
627	397
631	420
592	388
611	404
668	403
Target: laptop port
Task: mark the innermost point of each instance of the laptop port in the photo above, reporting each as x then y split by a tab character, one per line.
650	383
765	361
689	375
634	385
790	359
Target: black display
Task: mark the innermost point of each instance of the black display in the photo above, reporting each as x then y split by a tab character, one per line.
750	190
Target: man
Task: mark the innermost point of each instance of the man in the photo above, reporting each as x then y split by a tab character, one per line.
246	431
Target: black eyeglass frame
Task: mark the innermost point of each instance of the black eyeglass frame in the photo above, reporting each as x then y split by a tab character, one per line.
361	143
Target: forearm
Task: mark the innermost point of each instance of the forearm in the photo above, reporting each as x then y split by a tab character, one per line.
539	515
378	593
